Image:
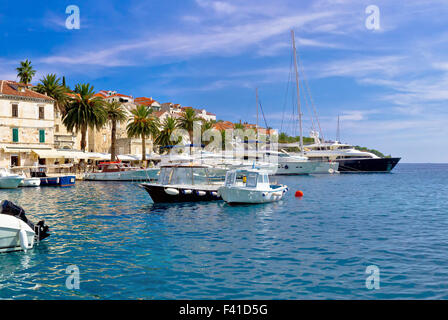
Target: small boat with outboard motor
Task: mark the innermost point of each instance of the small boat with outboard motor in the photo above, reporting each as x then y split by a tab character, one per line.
250	186
185	183
16	231
58	180
29	182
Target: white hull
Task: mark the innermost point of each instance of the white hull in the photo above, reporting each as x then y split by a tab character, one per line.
30	182
10	228
326	167
10	182
246	195
130	175
299	167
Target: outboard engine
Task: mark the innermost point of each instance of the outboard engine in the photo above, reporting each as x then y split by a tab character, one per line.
40	229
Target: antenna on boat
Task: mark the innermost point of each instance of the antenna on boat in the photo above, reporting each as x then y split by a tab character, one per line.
297	88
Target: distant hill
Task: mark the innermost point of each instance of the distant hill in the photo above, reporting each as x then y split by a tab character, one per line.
375	152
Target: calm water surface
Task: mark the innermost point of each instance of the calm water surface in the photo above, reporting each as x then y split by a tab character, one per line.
315	247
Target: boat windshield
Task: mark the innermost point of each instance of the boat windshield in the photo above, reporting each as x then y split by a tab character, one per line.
230	178
164	175
251	179
263	178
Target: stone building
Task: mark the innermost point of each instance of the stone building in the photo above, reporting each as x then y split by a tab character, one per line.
26	124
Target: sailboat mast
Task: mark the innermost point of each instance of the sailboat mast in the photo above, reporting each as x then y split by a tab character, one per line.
256	126
338	132
298	91
256	97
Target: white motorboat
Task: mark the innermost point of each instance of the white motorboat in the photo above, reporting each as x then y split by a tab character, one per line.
16	231
118	171
250	186
9	180
29	182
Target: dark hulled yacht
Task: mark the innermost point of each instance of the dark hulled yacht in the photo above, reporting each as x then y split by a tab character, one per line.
349	158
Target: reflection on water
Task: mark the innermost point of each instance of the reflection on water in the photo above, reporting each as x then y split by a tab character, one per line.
317	246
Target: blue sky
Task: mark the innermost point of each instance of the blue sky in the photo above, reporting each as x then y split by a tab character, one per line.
390	86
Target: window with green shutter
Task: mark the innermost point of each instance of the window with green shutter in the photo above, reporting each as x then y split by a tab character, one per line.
41	136
15	135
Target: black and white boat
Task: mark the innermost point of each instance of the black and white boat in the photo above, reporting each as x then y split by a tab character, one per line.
350	159
185	183
16	231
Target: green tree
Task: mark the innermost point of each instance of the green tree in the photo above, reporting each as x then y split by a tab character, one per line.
207	125
283	138
115	113
25	72
164	136
187	121
51	86
142	124
84	111
238	126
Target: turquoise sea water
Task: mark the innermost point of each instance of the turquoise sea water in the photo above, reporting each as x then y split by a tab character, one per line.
317	247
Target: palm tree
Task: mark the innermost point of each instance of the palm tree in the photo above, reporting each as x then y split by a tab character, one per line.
164	137
187	121
25	72
115	113
51	86
84	111
142	124
207	125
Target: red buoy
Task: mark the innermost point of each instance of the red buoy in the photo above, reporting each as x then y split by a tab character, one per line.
299	193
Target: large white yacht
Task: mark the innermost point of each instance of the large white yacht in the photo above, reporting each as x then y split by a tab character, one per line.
348	158
296	164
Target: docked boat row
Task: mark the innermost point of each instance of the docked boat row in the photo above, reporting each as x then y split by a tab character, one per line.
37	177
120	171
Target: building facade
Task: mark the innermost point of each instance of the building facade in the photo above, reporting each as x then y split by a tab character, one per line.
26	124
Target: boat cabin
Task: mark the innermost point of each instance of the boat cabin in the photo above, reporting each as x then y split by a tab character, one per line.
247	178
184	175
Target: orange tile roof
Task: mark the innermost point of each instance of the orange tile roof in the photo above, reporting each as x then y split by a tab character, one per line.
144	101
105	94
10	88
223	125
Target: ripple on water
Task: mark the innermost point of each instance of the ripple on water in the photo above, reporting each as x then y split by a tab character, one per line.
317	247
